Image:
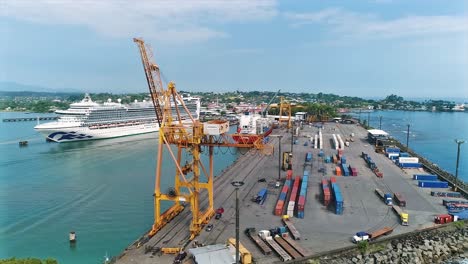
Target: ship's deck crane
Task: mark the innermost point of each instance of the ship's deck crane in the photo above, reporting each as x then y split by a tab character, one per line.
188	137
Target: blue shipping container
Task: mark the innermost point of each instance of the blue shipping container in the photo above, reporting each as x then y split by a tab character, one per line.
463	215
425	177
446	194
308	156
404	154
433	184
392	150
282	196
300	214
410	165
306	173
343	160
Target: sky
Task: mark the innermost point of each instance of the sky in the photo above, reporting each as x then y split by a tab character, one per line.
366	48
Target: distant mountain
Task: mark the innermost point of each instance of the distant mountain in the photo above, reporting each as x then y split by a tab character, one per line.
18	87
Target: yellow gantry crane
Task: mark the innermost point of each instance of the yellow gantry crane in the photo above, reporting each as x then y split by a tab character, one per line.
285	108
189	136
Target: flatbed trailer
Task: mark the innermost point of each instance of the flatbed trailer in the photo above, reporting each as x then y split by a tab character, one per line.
290	250
304	252
292	229
266	250
382	231
284	256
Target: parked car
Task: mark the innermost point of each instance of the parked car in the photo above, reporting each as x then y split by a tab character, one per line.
209	227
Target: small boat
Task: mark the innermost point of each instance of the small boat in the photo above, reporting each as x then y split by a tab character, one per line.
72	237
23	143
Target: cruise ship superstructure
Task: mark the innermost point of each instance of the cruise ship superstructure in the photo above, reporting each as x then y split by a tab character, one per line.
87	120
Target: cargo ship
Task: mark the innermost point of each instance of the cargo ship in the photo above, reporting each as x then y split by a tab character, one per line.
251	127
88	120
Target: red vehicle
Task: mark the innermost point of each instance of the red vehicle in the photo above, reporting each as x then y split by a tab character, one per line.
443	219
219	213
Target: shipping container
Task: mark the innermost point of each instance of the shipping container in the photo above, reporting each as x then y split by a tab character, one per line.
433	184
447	202
338	171
404	155
344	170
261	196
392	150
410	165
425	177
446	194
343	160
308	157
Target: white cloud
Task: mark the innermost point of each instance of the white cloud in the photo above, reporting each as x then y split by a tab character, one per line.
357	25
163	20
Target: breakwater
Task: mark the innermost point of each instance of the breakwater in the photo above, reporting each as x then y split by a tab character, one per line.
432	245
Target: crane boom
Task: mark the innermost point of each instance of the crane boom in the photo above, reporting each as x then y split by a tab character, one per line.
265	111
153	77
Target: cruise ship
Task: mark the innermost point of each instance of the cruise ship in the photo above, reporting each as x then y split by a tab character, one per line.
88	120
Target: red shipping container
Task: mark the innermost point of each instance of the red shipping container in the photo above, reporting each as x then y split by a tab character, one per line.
332	179
301	203
289	174
285	189
354	172
279	207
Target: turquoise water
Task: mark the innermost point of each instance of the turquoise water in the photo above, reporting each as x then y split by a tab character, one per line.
432	134
100	189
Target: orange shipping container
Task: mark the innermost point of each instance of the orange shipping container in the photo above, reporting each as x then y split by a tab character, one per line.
338	171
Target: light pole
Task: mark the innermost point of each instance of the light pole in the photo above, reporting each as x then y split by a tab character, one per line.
292	136
407	138
237	184
380	122
279	154
459	142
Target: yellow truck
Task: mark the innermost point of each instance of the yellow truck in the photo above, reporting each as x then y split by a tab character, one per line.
404	216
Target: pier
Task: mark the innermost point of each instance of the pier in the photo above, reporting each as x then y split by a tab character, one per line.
321	230
23	119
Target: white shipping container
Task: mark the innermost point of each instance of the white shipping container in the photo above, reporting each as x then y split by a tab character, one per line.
215	127
408	160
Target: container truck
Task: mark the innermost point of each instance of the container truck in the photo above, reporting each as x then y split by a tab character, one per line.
364	236
386	198
404	216
261	196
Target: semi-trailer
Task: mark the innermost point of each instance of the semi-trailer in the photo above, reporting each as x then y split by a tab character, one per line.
266	236
386	197
404	216
292	229
261	196
399	199
304	252
250	232
364	236
290	250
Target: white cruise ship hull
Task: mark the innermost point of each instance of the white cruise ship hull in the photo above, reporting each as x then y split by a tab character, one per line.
79	133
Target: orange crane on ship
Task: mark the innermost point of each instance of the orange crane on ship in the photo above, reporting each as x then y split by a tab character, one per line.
189	137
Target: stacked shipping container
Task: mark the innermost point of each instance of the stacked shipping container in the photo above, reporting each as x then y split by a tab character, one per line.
433	184
325	193
338	198
302	195
284	193
292	198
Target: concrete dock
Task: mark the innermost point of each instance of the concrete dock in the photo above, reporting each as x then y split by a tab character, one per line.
320	229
